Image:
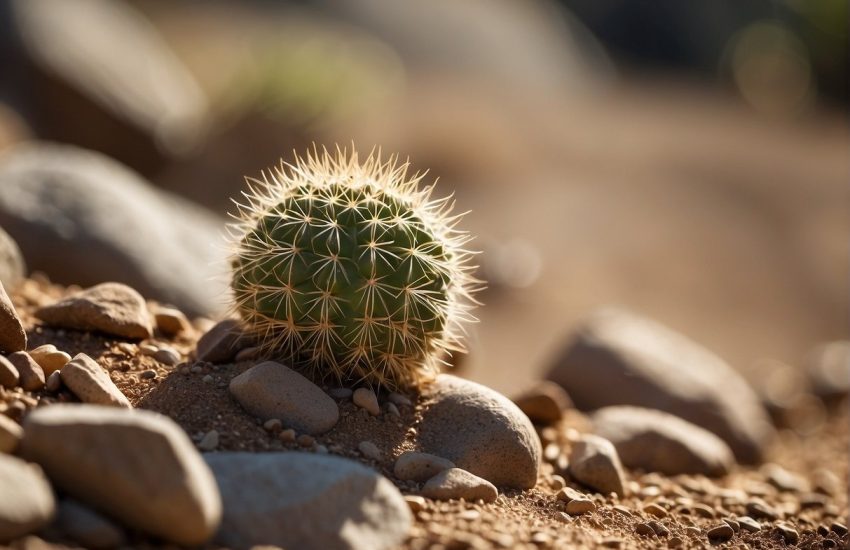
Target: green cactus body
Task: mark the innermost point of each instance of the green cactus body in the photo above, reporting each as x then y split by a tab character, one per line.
350	271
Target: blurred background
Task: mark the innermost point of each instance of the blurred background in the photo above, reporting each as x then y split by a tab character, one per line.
688	161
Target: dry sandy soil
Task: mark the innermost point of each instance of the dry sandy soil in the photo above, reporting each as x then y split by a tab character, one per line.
196	396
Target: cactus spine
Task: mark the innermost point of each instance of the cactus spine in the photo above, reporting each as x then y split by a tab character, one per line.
349	271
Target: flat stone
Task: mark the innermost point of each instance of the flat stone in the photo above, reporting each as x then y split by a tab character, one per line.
271	390
784	480
31	373
365	398
9	375
62	203
789	534
10	434
656	441
167	356
134	465
12	334
619	358
479	430
370	450
413	466
49	358
399	399
12	265
748	524
545	403
87	527
26	499
111	308
220	343
456	483
91	383
594	463
579	506
306	501
720	533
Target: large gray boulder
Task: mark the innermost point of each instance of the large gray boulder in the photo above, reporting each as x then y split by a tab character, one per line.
618	358
306	501
84	219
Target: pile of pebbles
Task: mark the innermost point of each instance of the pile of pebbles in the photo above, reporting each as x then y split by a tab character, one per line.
457	465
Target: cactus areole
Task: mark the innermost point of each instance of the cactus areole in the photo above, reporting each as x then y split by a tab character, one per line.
349	271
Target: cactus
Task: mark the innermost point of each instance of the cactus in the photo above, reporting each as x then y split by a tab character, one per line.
349	271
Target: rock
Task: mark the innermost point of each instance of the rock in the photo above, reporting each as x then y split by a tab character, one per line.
271	390
579	506
545	403
413	466
307	501
456	483
399	400
12	268
167	356
594	462
415	503
111	308
49	358
618	358
828	368
479	430
86	527
784	480
370	450
26	499
12	334
748	524
10	434
209	442
53	382
220	343
31	373
340	393
91	383
65	205
134	465
789	534
79	70
365	398
171	321
8	374
656	441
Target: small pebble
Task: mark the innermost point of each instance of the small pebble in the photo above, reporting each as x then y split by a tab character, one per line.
306	440
788	533
31	373
655	510
369	450
721	533
393	410
148	349
171	321
693	531
659	529
167	356
456	483
366	399
414	466
247	354
675	542
580	506
748	524
703	510
399	399
54	382
147	374
287	436
50	358
10	434
644	529
838	528
563	518
758	510
733	524
208	379
9	375
209	441
273	425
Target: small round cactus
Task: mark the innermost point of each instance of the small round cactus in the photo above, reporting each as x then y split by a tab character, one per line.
349	271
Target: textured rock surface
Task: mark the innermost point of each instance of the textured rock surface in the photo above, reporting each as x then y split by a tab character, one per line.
26	499
618	358
91	383
12	335
64	205
655	441
134	465
306	501
456	483
594	462
111	308
481	431
271	390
